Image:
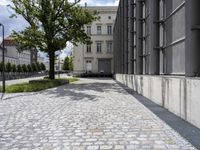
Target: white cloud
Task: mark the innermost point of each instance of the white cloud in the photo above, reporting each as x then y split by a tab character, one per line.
4	2
11	24
99	2
67	51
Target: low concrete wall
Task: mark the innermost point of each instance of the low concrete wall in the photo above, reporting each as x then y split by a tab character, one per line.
179	95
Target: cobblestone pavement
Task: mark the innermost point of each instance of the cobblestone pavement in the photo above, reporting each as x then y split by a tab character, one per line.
89	115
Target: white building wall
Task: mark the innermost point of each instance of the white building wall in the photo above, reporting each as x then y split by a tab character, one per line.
14	57
25	57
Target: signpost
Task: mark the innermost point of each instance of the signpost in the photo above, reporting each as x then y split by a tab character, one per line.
3	61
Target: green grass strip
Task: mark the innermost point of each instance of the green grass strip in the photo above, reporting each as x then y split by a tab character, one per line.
37	85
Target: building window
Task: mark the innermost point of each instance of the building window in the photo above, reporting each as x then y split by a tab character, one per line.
99	45
109	17
88	61
109	47
89	30
88	49
109	29
98	29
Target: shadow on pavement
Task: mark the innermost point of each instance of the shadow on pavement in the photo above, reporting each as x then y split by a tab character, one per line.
84	91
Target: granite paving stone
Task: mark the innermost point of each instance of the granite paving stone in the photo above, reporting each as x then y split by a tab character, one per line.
91	114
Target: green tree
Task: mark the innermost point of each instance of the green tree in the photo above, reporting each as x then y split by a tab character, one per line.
66	64
24	68
38	66
19	68
42	66
34	68
14	68
71	67
29	69
53	23
8	67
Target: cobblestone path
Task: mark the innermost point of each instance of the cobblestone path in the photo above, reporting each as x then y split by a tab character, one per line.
92	114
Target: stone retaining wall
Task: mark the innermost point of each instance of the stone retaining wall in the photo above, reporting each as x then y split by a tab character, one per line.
180	95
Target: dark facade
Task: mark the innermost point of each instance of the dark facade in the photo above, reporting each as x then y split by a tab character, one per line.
157	37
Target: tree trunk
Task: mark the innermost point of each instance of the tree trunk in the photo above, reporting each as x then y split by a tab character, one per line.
51	65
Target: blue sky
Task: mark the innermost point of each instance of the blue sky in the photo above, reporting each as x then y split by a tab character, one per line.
19	24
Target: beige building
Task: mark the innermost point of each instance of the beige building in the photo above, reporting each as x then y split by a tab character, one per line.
97	57
13	56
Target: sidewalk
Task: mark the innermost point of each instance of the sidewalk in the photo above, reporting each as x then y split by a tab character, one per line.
91	114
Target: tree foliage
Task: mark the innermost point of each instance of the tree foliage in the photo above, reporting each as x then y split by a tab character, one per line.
34	67
24	68
38	66
8	67
53	23
14	68
42	66
19	68
29	69
71	67
68	64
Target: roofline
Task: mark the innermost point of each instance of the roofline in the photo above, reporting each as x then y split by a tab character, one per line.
102	8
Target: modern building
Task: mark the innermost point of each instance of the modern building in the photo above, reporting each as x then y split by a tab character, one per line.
97	57
156	53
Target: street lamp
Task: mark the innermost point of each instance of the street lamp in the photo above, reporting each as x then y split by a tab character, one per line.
3	60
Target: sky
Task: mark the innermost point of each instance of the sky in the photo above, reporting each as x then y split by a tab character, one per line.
18	24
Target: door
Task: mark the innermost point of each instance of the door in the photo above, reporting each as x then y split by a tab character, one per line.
88	66
104	66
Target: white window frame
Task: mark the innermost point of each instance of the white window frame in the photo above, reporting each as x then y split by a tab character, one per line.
99	47
109	47
99	30
109	29
89	30
88	48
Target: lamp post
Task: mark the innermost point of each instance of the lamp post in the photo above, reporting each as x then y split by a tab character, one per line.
3	61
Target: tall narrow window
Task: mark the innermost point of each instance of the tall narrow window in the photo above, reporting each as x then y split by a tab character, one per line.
109	47
88	49
99	30
109	29
99	46
89	30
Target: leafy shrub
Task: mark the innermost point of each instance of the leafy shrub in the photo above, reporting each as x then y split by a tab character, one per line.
29	69
38	66
14	68
34	67
43	67
19	68
8	67
24	68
